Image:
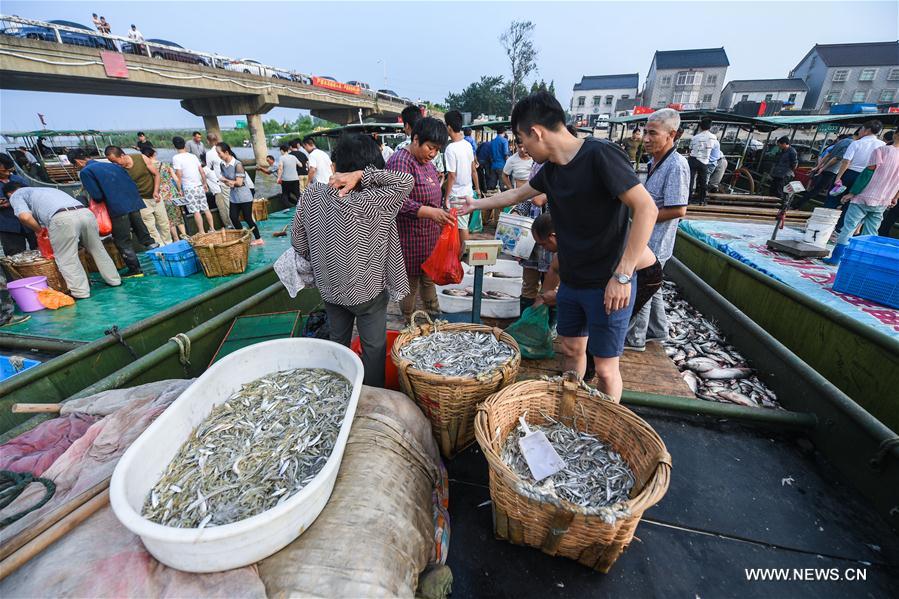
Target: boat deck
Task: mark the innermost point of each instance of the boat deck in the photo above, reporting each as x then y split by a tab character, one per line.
739	498
745	241
137	299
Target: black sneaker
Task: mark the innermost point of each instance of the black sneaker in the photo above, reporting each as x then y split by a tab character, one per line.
133	274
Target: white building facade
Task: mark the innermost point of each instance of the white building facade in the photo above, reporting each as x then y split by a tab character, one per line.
595	97
791	92
688	79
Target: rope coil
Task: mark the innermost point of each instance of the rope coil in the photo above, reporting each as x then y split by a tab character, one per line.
12	484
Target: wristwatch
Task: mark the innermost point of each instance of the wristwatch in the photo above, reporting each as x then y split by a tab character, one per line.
622	278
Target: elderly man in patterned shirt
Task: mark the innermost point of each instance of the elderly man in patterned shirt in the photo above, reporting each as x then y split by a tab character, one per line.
422	215
668	182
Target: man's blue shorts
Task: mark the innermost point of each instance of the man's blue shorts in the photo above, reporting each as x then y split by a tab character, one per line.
582	313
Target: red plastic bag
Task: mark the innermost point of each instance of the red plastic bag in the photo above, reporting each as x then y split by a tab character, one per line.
43	243
103	221
443	265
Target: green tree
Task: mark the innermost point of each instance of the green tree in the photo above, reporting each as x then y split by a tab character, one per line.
489	95
522	54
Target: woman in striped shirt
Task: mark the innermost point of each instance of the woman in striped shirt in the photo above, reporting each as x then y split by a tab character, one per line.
347	230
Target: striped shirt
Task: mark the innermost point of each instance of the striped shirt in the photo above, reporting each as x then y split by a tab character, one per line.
884	183
352	241
418	236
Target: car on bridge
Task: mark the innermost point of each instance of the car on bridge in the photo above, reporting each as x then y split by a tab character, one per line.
164	49
388	94
254	67
37	32
366	88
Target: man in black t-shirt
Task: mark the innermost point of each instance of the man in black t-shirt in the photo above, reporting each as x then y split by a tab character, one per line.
303	168
591	187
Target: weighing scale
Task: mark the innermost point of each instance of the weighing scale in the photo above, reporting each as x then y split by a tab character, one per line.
481	253
793	247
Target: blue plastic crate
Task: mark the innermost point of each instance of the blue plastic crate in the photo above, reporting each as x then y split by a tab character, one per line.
870	270
175	260
7	369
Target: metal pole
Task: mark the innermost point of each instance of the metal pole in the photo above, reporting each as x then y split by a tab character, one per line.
58	37
745	148
476	300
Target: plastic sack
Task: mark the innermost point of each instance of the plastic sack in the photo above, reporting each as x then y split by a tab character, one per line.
475	222
104	223
43	243
443	265
533	334
53	299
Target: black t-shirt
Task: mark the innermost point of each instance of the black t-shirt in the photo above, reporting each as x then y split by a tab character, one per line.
143	145
303	168
591	222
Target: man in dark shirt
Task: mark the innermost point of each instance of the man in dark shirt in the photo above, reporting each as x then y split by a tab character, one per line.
109	183
591	186
787	160
14	237
142	142
303	169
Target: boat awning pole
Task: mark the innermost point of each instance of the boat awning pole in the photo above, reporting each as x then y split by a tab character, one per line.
745	148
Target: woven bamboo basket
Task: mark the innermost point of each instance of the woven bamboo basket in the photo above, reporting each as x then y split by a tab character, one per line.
260	210
224	252
87	260
556	526
38	268
450	402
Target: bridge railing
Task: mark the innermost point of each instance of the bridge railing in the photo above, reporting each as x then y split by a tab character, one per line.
52	32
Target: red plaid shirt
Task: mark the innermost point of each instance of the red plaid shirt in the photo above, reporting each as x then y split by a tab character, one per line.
417	236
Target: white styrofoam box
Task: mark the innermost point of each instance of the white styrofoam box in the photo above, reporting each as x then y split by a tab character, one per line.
247	541
510	308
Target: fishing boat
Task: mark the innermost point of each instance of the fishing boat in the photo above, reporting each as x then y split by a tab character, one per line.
808	486
43	161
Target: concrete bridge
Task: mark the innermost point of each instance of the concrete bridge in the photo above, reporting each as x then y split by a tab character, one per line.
35	65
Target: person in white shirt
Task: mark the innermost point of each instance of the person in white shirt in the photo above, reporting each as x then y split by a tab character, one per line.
223	196
517	170
135	35
461	173
386	151
191	180
319	163
856	159
700	150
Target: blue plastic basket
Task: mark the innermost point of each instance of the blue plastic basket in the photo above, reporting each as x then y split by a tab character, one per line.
175	260
870	270
7	369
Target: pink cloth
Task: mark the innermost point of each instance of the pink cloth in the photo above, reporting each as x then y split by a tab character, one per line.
884	184
36	450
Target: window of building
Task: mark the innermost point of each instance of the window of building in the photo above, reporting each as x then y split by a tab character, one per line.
744	98
666	80
841	75
792	98
887	95
832	97
685	98
707	98
625	96
596	100
860	95
581	100
689	78
893	75
867	75
609	100
769	97
712	79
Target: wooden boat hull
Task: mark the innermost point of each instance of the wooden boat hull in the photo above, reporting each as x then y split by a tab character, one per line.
861	361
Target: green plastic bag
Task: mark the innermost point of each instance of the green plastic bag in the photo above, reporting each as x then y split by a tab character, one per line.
533	334
475	223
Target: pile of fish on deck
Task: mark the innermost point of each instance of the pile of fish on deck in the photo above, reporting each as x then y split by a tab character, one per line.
712	368
594	475
457	353
254	451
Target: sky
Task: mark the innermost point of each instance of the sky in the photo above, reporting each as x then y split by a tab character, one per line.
443	46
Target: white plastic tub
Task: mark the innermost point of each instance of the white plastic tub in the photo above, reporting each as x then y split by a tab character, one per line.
218	548
511	268
510	308
510	284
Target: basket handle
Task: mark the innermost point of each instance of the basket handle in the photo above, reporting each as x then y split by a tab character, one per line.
570	385
427	316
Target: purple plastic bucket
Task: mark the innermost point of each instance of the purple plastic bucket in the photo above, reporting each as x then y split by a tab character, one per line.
24	292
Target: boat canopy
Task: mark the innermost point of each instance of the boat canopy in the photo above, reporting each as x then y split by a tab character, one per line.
360	128
770	123
54	133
